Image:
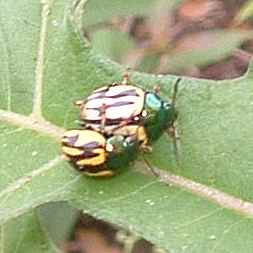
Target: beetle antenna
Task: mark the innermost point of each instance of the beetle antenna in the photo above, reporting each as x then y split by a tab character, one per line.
175	90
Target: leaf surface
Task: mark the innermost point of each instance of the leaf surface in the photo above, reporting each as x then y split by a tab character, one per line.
197	204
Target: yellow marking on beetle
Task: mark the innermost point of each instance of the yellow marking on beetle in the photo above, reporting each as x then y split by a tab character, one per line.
138	131
72	151
86	136
107	129
65	139
142	135
104	173
83	113
127	130
94	161
140	103
103	88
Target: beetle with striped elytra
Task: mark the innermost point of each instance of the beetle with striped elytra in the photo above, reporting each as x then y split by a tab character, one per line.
117	120
119	104
96	155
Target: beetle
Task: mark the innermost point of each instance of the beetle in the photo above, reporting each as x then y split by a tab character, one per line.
98	155
118	104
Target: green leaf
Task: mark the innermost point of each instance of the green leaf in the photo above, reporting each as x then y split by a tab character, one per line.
19	35
25	234
197	204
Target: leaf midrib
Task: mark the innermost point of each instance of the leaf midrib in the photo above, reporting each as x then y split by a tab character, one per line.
21	182
37	99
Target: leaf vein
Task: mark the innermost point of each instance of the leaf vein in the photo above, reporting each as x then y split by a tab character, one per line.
222	237
8	69
37	100
40	126
21	182
221	198
28	206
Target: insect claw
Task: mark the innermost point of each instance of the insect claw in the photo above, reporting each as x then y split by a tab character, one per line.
146	148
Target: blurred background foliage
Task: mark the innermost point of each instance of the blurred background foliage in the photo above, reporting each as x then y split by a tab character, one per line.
210	39
200	38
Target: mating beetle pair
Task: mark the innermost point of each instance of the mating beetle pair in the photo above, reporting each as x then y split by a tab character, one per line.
118	120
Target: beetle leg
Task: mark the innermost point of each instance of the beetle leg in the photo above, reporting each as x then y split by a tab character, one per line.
126	78
103	118
173	133
79	102
143	139
146	148
121	124
66	158
150	167
157	90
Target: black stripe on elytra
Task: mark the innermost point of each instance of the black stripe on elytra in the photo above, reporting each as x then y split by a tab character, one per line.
119	103
113	122
131	92
92	145
88	153
89	146
109	122
72	139
92	169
